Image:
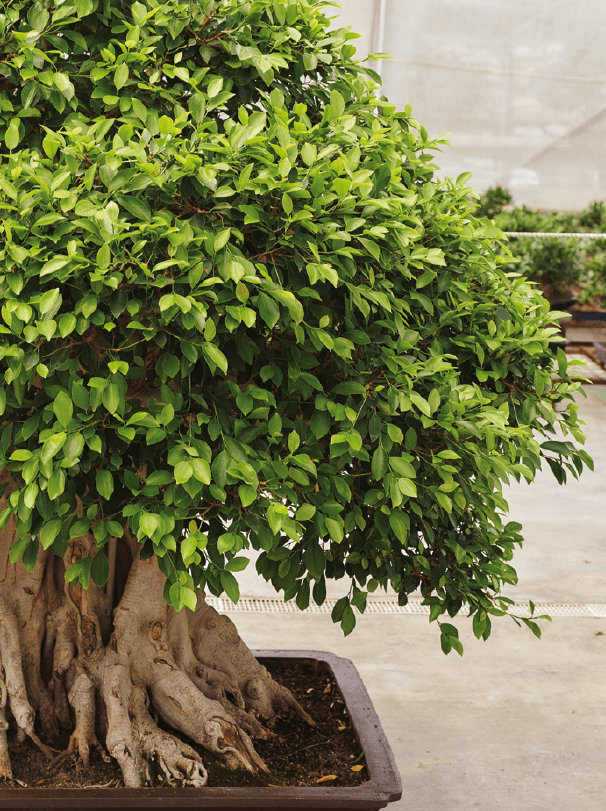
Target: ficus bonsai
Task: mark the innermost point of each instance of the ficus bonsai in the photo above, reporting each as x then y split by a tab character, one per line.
238	311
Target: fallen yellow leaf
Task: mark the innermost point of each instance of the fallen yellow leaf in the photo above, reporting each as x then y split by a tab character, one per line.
328	777
356	768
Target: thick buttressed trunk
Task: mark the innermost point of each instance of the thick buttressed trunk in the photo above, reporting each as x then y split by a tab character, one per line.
107	665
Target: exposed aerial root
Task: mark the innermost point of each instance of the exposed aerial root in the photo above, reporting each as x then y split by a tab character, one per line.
218	646
179	763
82	699
176	699
14	683
59	664
116	690
6	772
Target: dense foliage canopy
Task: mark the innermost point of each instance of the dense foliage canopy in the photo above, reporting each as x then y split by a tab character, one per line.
239	310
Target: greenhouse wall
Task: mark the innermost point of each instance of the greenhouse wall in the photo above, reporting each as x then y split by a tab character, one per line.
519	85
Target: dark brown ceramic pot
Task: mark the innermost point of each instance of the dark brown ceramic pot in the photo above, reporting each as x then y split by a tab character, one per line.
383	787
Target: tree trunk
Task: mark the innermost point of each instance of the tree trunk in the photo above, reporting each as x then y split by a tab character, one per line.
106	664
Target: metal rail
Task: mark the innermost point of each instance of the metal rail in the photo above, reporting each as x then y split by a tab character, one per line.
580	235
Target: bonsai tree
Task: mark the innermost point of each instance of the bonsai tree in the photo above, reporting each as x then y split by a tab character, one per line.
238	311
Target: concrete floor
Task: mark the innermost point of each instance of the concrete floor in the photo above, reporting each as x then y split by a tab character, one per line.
517	723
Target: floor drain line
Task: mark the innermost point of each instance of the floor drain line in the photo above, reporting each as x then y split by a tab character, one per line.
268	605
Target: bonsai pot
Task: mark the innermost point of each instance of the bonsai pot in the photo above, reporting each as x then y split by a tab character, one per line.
383	787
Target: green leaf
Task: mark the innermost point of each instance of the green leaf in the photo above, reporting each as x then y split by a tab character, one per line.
274	426
420	403
38	17
188	597
409	488
49	300
148	524
29	496
309	153
49	532
79	528
62	81
315	560
183	472
63	408
305	512
276	515
402	467
237	564
320	423
221	239
67	324
335	528
105	484
444	501
247	494
293	441
52	446
99	569
201	470
244	402
348	620
155	435
380	461
337	103
215	357
226	542
350	387
115	529
20	455
54	264
111	397
400	524
56	484
434	400
20	545
121	76
230	585
268	310
135	206
11	137
8	188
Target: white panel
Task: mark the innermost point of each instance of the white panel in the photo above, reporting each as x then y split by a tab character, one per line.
519	84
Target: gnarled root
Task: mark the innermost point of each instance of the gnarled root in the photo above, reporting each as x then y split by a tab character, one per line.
116	687
82	698
192	668
14	683
180	704
178	761
6	772
215	640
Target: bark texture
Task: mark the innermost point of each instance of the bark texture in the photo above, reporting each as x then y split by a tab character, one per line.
72	659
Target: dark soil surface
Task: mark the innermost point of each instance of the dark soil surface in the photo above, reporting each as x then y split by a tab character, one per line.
298	755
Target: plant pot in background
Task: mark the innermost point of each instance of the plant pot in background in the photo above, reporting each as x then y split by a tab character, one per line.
600	351
588	315
563	305
555	345
383	787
